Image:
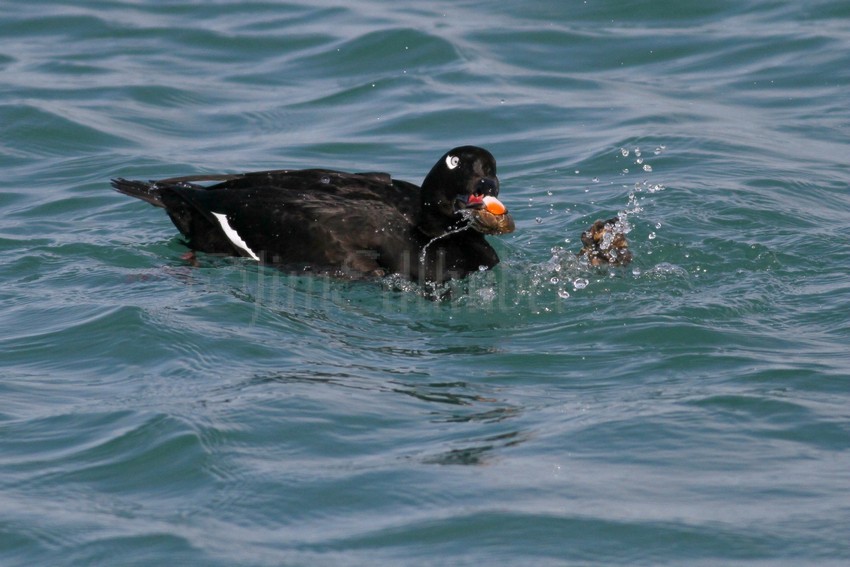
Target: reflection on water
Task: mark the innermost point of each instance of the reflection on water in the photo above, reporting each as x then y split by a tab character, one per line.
477	452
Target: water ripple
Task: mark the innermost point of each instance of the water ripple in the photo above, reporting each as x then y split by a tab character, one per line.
687	408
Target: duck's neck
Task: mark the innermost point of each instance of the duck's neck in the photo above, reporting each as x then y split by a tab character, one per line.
437	216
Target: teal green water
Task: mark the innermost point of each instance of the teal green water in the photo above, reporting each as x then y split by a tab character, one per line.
690	409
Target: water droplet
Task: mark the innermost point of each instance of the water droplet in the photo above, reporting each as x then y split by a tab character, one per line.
487	294
595	180
636	271
580	283
639	160
624	152
652	236
563	294
549	193
554	280
637	152
577	172
625	170
538	220
326	179
647	167
658	225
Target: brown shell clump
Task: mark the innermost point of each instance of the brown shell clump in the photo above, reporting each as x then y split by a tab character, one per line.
486	222
603	244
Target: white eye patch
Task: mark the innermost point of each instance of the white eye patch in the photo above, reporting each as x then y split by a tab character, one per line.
452	161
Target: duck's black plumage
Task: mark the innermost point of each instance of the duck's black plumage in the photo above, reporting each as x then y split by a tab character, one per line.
349	224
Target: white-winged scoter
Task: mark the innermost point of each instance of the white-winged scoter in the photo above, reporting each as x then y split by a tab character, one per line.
346	224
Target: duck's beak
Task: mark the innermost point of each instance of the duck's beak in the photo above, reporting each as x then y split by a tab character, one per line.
484	187
488	215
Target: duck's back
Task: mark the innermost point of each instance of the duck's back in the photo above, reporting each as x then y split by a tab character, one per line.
316	220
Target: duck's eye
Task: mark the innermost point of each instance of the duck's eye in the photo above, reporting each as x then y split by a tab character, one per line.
452	161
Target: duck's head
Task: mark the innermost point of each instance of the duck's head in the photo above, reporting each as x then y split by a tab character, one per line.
462	187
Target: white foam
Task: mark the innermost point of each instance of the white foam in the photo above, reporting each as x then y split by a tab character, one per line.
233	235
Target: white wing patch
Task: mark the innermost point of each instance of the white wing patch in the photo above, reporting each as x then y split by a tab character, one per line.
233	235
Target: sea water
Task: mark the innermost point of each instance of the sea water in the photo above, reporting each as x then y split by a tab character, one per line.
690	408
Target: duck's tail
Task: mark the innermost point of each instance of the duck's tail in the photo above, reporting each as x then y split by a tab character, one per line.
146	191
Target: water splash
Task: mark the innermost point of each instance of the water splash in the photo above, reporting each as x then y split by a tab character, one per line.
531	286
